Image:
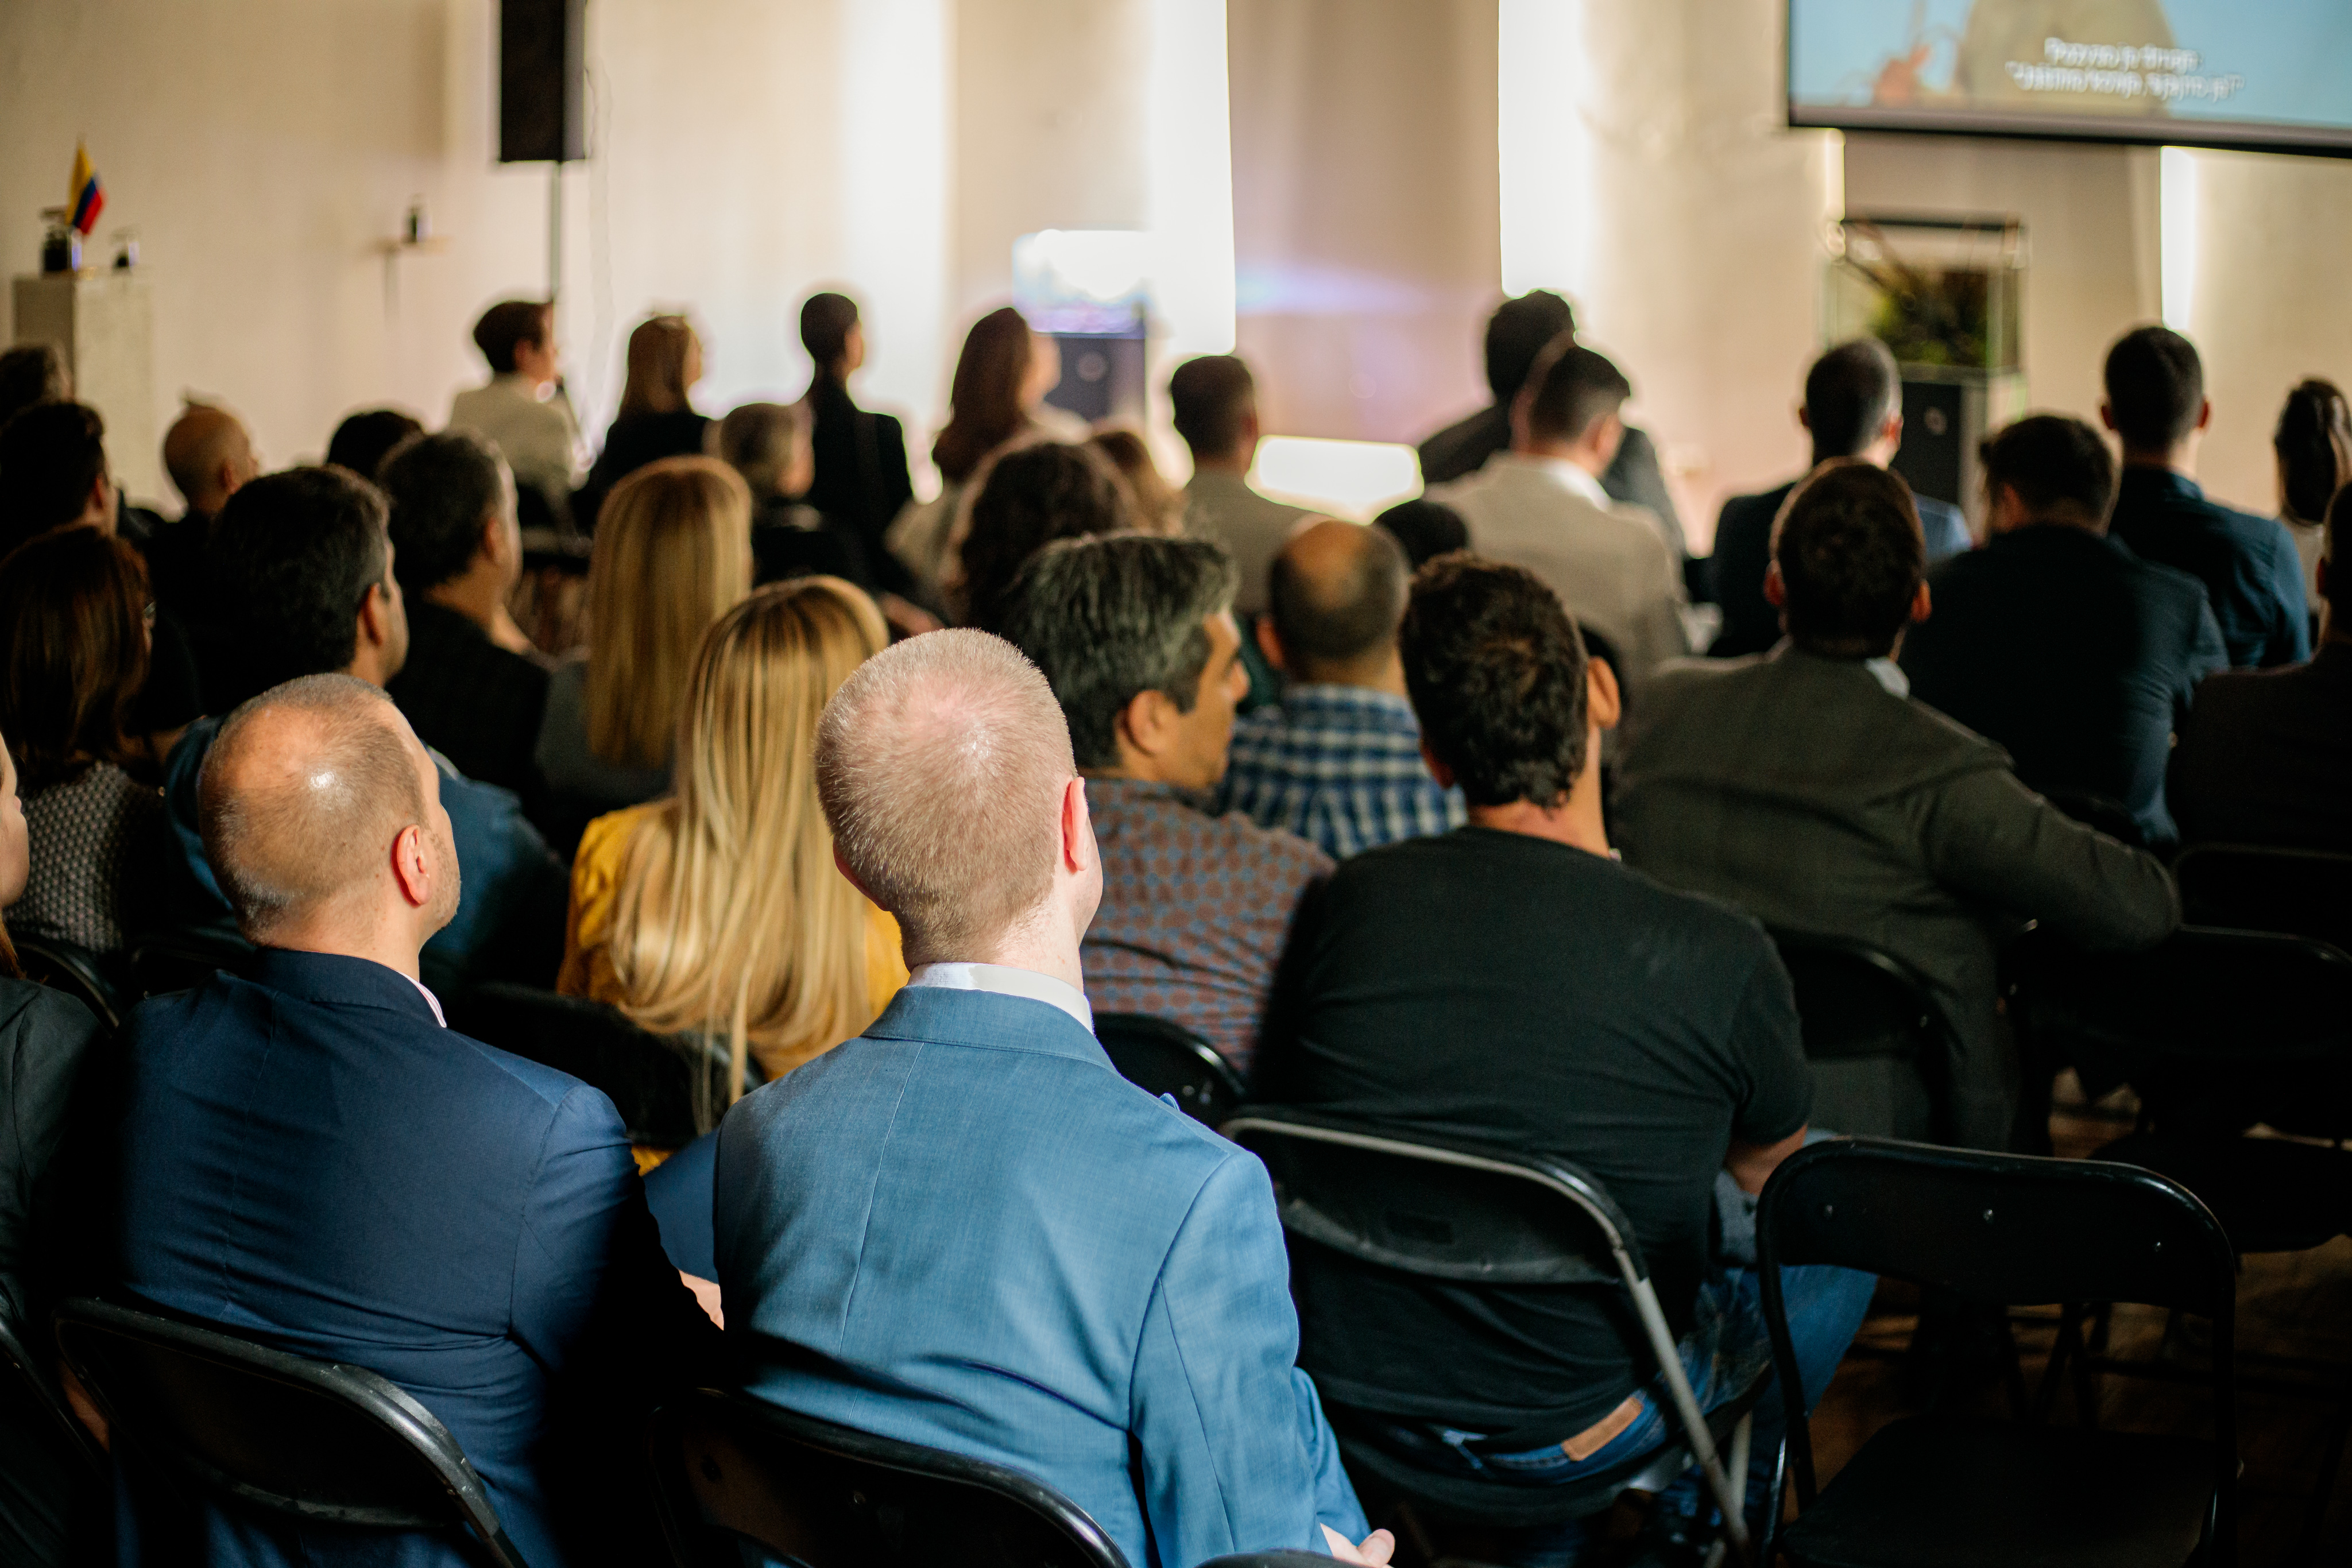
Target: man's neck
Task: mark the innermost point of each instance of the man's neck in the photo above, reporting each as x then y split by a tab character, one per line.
1578	457
1233	464
2181	460
394	950
1044	945
1384	675
480	597
1566	823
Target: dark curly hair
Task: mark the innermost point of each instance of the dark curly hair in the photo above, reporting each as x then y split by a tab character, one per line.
1848	545
1496	670
1029	497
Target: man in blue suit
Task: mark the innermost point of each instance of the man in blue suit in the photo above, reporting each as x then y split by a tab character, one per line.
308	1155
963	1228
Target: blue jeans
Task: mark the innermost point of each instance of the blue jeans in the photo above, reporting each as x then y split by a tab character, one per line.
1728	1346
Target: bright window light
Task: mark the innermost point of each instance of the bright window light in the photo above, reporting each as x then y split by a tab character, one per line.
896	153
1542	145
1189	137
1351	479
2177	233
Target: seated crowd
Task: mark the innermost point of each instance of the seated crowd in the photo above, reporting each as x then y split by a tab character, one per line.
866	806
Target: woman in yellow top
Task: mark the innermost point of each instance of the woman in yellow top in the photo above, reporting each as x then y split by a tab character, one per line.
718	910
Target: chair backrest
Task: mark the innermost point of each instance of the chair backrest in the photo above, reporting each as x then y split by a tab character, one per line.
727	1466
29	1389
1166	1058
74	969
182	960
263	1429
2109	815
1853	1000
2304	893
650	1078
2206	995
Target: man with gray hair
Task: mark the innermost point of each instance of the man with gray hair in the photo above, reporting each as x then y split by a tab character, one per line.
963	1228
307	1155
1137	636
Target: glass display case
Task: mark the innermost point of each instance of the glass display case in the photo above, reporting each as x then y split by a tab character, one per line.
1946	292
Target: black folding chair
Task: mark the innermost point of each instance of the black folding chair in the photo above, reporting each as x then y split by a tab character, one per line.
1465	1214
650	1078
74	969
1855	1001
729	1467
2301	893
1165	1058
31	1389
2006	1230
264	1431
182	960
2109	816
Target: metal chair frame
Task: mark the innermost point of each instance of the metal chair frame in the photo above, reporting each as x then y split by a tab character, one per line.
78	968
1205	1085
17	1360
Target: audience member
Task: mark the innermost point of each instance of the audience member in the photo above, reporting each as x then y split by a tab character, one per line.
2265	756
363	440
2055	642
1648	1037
718	911
1337	761
2253	577
1023	500
1426	529
523	411
1136	635
209	455
306	1153
1105	1307
1214	399
2313	444
1807	788
1853	408
672	556
1540	506
1518	333
655	419
31	373
49	1513
860	458
72	612
301	566
1159	506
473	688
768	444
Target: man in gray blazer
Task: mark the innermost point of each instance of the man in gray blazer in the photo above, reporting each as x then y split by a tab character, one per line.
1808	787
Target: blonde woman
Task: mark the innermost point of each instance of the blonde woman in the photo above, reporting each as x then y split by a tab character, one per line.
718	911
655	419
674	555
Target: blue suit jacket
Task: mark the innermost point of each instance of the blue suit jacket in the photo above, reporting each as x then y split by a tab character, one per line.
1743	548
2248	563
308	1156
965	1230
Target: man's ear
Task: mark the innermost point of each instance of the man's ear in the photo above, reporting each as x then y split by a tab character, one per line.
493	542
1078	851
412	868
2204	413
1804	420
1776	592
1437	770
1143	725
850	876
1603	703
2108	415
1923	604
375	622
1270	644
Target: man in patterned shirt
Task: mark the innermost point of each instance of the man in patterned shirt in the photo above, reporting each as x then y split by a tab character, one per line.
1339	761
1136	635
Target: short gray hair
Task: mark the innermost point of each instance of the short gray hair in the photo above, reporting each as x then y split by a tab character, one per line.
1108	619
758	440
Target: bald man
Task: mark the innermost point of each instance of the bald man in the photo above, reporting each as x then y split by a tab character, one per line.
210	457
307	1155
1338	761
963	1228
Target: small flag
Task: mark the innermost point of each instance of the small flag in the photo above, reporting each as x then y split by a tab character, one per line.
88	198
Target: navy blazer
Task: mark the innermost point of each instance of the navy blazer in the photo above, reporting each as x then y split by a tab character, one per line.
1743	548
2074	654
2251	574
964	1230
308	1156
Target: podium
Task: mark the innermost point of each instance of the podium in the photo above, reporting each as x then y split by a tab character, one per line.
102	324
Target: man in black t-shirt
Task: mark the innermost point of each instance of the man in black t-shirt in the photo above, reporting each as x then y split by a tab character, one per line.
1559	1004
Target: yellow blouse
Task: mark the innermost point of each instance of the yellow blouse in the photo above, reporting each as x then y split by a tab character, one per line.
588	924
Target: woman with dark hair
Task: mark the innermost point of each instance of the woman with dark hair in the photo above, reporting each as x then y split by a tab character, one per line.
74	630
2314	443
1028	498
655	420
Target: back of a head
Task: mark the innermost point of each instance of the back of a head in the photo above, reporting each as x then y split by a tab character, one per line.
1851	392
2314	443
1574	388
300	794
672	554
72	623
31	373
1212	398
1032	496
2057	465
984	400
1337	591
761	440
2155	388
1158	508
443	488
1519	332
200	442
942	765
1495	671
826	321
657	355
1850	555
51	457
1426	529
366	439
293	555
1109	618
508	326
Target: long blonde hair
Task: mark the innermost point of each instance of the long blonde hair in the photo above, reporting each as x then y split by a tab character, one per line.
730	917
673	553
658	351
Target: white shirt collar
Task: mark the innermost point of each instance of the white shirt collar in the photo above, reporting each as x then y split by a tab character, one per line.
1564	474
430	1000
1889	673
1007	981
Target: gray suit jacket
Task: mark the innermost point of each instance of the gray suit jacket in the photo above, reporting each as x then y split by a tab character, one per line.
1802	790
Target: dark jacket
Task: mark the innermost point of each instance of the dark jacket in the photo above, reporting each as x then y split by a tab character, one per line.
2266	758
2253	577
1743	548
2073	655
308	1156
1632	475
861	474
632	441
476	703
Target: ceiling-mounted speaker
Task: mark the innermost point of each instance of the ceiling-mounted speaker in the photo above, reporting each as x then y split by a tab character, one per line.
542	81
